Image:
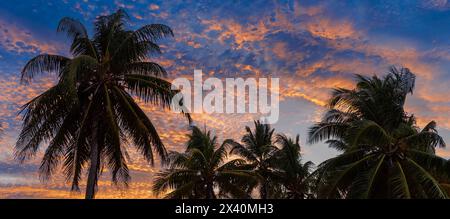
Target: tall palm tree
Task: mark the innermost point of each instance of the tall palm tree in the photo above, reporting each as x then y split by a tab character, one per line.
294	175
1	130
89	115
385	155
258	150
201	169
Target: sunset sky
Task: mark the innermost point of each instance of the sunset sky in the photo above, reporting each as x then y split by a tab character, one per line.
312	46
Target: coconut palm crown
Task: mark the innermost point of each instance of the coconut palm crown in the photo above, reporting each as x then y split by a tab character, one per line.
257	148
203	171
384	153
90	115
292	173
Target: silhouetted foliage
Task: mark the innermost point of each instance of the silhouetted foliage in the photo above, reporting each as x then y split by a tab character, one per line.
384	153
203	172
89	115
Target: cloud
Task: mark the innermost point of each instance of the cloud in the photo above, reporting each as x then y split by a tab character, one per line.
15	95
238	34
435	4
153	7
331	29
18	39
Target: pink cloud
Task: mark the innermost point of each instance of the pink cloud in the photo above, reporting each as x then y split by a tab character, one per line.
153	7
15	38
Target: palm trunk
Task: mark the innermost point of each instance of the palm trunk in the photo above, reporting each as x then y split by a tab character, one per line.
91	187
263	190
210	191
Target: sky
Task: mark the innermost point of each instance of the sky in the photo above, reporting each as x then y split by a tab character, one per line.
311	46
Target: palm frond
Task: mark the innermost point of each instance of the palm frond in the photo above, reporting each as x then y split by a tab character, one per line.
146	68
428	182
138	126
240	150
362	187
431	162
77	154
326	130
73	28
116	161
399	182
367	131
59	144
153	32
173	179
327	190
41	64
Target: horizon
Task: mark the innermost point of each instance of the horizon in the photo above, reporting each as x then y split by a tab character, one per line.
311	46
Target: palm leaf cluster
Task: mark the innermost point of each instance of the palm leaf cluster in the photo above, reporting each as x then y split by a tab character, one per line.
90	115
293	175
202	169
384	153
276	159
267	164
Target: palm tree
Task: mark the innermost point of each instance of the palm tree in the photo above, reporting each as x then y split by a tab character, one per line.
89	115
258	150
294	175
385	155
201	169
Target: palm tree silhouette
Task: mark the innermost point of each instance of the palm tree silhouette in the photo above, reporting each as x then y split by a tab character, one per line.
258	150
89	115
201	169
293	174
384	154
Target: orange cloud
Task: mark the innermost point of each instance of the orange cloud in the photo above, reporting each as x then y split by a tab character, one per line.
443	152
331	29
230	29
14	94
136	190
137	16
18	39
